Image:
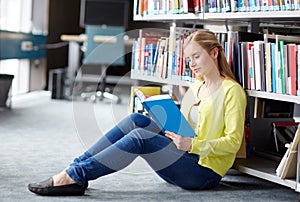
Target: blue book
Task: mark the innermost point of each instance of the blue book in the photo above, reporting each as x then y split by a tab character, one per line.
166	114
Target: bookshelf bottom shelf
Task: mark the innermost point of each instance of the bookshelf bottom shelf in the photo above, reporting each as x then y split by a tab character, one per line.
263	168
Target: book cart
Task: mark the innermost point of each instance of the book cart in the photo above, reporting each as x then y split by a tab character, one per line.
285	14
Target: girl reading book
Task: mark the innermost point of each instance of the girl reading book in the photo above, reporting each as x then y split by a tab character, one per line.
214	106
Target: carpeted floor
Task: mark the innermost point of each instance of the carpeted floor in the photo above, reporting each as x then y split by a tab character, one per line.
40	136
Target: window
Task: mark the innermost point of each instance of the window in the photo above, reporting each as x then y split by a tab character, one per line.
15	15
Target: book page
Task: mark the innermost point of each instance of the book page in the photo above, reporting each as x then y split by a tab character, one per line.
158	97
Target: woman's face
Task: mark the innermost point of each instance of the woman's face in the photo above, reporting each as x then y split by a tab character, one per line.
200	62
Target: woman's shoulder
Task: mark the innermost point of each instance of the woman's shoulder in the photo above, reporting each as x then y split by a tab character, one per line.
229	83
233	86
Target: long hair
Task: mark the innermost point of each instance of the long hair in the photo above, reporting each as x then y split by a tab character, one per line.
208	40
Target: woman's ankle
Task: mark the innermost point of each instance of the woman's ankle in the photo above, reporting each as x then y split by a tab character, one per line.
61	179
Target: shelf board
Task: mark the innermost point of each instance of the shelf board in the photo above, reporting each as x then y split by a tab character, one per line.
262	168
274	96
159	80
252	93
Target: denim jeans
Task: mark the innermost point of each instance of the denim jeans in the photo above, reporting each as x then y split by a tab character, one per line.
137	135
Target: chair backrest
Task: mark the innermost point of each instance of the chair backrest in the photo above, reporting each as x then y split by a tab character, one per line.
107	52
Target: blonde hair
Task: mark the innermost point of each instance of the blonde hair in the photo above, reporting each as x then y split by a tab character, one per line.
208	40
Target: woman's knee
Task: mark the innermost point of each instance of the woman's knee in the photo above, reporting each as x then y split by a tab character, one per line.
141	136
140	120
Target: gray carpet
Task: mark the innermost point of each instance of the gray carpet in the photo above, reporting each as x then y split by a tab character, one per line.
40	136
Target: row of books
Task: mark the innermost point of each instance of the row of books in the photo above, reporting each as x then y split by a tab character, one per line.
270	66
259	61
252	5
161	7
160	54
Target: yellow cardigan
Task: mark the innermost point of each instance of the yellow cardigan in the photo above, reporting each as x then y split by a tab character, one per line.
220	125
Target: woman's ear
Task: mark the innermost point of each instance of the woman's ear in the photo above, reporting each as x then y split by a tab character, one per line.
214	52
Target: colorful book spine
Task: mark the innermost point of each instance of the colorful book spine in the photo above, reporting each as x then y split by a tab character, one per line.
298	70
292	69
273	60
282	71
268	64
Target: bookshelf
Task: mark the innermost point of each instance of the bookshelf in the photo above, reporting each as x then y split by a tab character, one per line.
262	166
237	16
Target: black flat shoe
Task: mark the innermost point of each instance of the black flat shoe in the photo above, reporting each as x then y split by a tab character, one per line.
46	188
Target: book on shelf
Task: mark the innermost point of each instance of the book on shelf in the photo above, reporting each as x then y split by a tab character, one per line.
186	6
282	162
162	7
177	67
161	54
242	64
268	66
236	52
159	65
197	6
226	6
144	49
282	67
285	64
258	51
283	134
166	114
298	170
292	69
251	70
298	69
288	166
274	71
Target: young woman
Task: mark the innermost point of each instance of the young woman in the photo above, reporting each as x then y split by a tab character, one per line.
215	107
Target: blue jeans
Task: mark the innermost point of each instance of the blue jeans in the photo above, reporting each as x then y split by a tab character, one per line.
137	135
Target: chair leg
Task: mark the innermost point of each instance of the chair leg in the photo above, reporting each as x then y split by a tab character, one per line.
100	91
108	95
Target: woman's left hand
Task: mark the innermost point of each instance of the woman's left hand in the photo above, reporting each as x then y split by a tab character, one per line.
182	143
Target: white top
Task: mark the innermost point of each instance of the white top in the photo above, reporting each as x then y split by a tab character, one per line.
193	116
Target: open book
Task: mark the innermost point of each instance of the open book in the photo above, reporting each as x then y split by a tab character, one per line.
166	114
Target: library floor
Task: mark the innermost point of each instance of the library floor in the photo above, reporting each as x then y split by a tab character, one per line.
40	136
